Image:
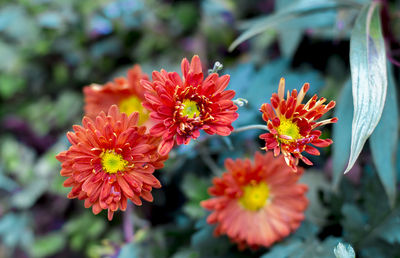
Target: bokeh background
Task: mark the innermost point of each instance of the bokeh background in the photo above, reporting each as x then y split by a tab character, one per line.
50	50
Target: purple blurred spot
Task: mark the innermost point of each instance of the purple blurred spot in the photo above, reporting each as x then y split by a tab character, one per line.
340	25
228	17
100	26
26	135
354	175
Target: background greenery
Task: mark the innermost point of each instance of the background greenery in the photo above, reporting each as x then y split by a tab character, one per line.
51	49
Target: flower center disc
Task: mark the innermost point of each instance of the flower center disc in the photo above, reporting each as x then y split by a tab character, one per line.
112	162
255	196
289	128
190	108
134	104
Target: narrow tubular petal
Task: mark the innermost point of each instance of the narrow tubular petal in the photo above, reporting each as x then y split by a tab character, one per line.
294	125
251	222
110	161
181	107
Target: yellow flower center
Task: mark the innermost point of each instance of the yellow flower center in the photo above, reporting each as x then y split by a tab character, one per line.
289	128
254	196
134	104
190	108
112	162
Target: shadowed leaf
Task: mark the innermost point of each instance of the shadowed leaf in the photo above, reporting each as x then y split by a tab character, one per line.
369	78
383	141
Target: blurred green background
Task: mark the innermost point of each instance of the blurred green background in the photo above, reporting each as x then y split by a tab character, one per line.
51	49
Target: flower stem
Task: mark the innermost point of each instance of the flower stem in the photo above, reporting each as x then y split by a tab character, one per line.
250	127
205	156
128	223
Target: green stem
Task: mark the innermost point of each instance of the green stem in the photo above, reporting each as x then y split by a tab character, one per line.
206	157
366	235
250	127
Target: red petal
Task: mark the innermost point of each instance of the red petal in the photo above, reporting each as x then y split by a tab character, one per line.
165	147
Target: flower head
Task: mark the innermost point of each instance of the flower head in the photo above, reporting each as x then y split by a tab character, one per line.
110	161
292	124
256	204
127	93
182	107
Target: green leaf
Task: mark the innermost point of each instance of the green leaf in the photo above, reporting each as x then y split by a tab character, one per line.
369	78
353	222
129	251
303	243
186	253
297	248
297	9
341	133
195	189
15	230
286	249
83	229
343	251
375	202
207	244
48	245
10	85
7	183
383	141
389	229
316	182
379	249
30	194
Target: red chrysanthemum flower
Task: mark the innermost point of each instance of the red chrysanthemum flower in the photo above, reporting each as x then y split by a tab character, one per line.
256	205
182	107
110	161
292	124
126	93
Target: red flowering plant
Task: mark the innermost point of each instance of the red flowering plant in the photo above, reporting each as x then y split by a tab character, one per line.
256	204
111	160
113	155
155	164
292	125
183	106
126	93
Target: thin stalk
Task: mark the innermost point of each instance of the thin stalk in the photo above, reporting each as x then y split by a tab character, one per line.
250	127
205	156
128	223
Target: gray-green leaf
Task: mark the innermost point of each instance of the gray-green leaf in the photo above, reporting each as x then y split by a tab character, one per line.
369	78
297	9
343	251
341	134
383	141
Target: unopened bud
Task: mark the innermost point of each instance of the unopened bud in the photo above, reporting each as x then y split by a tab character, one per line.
240	102
217	67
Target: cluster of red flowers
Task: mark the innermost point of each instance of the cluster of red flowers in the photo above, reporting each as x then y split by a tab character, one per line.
292	125
132	123
130	126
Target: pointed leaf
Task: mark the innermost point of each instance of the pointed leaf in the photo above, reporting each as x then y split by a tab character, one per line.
297	9
369	78
389	228
341	134
383	141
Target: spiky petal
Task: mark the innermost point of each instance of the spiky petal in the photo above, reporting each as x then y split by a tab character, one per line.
292	125
256	204
125	92
110	161
182	107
